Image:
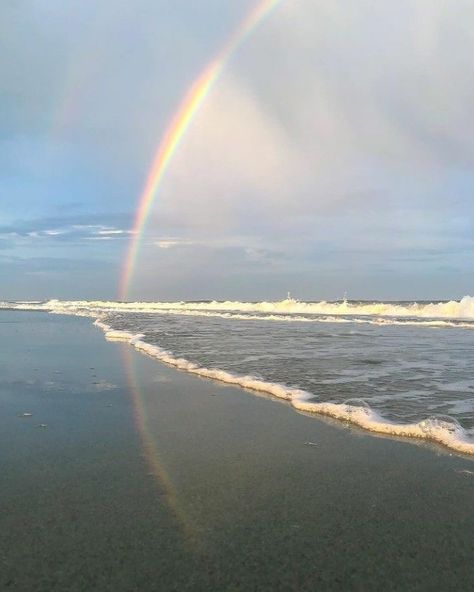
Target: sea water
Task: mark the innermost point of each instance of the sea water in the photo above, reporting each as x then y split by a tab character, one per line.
395	367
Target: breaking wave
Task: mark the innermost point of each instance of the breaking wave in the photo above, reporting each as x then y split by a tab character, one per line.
436	314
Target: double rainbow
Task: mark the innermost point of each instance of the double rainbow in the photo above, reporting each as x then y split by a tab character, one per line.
180	123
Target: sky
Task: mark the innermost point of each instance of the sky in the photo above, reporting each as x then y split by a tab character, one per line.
333	156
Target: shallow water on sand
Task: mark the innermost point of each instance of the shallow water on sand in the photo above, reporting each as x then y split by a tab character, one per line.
405	373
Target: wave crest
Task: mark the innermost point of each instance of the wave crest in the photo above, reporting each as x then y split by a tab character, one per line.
437	314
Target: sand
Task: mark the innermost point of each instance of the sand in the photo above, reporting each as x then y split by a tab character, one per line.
129	475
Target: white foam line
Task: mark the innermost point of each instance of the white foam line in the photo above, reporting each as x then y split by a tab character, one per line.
304	319
101	325
441	429
118	336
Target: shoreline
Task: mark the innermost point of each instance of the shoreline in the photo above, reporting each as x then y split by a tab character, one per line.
434	429
439	430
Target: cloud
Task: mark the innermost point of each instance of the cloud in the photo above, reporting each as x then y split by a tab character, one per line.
235	162
168	243
68	228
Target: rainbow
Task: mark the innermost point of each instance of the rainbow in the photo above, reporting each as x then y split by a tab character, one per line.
192	101
151	451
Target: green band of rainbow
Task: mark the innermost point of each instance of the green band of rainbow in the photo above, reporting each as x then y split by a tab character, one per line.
176	130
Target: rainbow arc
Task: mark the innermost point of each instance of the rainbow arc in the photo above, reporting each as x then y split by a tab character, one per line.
180	123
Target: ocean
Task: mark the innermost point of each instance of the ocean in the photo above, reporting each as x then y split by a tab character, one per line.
396	368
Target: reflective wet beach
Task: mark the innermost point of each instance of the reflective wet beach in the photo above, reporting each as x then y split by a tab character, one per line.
147	478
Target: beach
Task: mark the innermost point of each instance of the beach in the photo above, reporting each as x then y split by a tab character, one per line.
121	473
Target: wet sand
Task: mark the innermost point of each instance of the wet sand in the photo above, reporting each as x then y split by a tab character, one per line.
129	475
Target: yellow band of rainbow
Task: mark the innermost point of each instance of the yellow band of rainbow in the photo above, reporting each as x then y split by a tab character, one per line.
176	130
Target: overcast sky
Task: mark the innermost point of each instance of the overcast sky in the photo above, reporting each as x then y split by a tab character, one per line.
334	155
